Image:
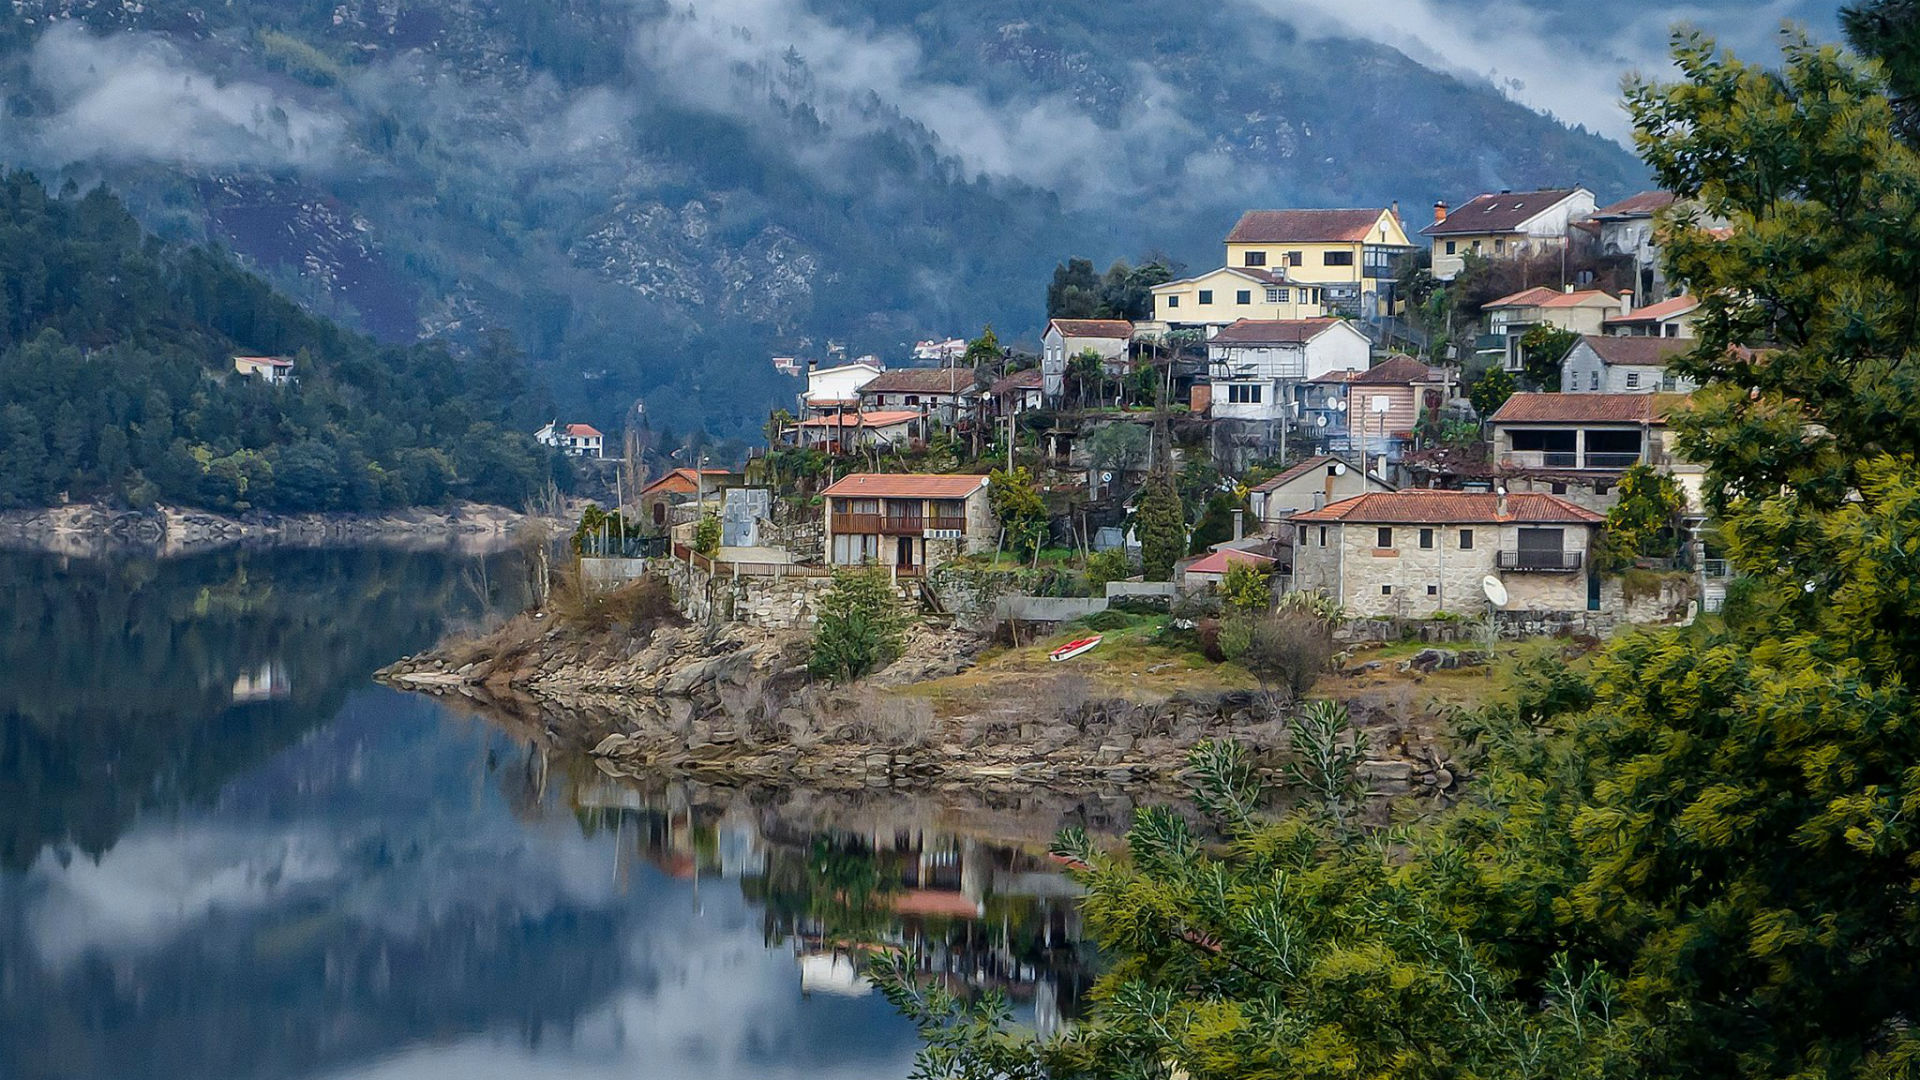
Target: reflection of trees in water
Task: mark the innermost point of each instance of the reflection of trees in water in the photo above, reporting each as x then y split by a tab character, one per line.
122	676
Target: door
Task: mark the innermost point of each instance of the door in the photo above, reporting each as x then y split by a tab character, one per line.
904	556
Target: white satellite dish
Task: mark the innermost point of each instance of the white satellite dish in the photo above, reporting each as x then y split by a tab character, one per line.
1321	419
1495	590
1339	468
1341	404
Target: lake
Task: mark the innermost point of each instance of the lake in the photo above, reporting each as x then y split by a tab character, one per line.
226	852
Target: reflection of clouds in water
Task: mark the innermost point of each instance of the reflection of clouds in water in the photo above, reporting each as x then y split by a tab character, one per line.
157	883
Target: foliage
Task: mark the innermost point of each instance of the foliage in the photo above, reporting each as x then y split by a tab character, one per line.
1161	526
983	351
1327	609
1889	31
1645	523
1491	390
706	535
595	523
1117	448
1124	292
1327	752
860	627
1087	375
1015	499
1289	651
1216	521
1113	564
1074	292
1542	350
1247	587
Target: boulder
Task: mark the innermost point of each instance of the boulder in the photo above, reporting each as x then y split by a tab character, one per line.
1430	660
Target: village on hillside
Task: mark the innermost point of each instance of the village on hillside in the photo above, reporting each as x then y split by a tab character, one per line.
1466	421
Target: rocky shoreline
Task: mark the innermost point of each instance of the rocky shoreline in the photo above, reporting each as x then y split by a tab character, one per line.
88	529
737	706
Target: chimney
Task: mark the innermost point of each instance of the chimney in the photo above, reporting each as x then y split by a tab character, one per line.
1626	303
1440	211
1239	527
812	366
1500	507
1319	500
1567	288
1396	209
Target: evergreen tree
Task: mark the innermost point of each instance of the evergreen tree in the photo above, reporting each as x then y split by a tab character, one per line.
1889	31
1074	292
1161	526
860	627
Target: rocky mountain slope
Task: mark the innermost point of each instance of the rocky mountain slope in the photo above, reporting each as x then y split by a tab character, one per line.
654	197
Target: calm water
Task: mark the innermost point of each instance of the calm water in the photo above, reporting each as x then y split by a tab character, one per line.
224	852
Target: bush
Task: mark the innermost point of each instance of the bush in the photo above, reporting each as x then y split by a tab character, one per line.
1235	637
1103	622
706	535
1247	588
861	628
1290	650
1105	566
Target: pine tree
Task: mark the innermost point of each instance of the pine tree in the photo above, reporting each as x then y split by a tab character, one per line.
1161	525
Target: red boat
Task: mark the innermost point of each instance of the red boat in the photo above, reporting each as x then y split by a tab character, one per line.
1073	648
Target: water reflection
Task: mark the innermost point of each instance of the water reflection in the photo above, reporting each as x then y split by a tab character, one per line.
228	855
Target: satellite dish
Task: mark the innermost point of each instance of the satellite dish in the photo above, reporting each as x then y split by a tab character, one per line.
1496	592
1341	404
1321	419
1339	468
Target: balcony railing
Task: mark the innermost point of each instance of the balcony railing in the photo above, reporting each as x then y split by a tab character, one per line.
895	525
1568	459
1598	460
1549	561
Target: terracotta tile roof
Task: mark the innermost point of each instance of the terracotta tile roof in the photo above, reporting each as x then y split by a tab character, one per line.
887	418
680	480
270	361
1030	379
1641	205
1429	507
906	486
1342	376
1218	562
1587	408
1665	309
1271	331
1395	371
1304	226
920	381
1298	470
1637	351
1094	328
1542	297
584	431
1498	213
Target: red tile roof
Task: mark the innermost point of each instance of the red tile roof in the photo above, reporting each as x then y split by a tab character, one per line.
906	486
1498	213
680	481
1030	379
1665	309
887	418
1093	328
1587	408
1395	371
584	431
1543	297
1641	205
1637	351
1304	226
1428	507
921	381
1218	562
1271	331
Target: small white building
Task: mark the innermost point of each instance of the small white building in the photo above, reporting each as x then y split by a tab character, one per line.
1255	366
1624	365
273	370
835	388
1067	338
579	440
1505	225
1309	485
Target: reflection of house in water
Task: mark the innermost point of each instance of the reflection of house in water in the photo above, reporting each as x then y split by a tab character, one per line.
264	683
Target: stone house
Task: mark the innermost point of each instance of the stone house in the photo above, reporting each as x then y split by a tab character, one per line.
1065	339
1413	554
944	394
1624	365
657	499
907	522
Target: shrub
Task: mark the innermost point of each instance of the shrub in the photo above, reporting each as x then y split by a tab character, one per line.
1235	637
1246	588
1105	566
706	535
860	628
1162	528
1290	650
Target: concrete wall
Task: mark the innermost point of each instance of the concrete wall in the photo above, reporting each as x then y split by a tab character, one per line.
601	575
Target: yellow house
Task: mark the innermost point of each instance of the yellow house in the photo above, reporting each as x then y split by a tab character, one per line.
1349	253
1232	293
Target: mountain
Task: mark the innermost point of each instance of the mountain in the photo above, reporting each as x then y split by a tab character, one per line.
654	197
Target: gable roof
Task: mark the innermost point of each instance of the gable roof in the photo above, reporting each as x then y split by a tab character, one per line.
1252	273
1030	379
906	486
889	418
1653	313
1636	351
921	381
584	431
1528	408
1394	371
1425	506
1298	470
1218	562
1272	331
269	361
1304	226
1093	328
1642	205
1504	212
680	480
1542	297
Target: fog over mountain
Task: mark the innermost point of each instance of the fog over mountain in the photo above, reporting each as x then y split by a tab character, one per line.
654	197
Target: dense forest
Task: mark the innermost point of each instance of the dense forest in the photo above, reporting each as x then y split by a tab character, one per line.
117	381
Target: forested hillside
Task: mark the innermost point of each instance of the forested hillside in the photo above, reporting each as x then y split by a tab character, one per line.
117	381
652	198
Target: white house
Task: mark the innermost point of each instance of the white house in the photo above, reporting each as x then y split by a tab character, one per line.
1578	311
1067	338
835	388
1308	485
1624	365
580	440
1668	319
946	394
1505	225
275	370
1256	365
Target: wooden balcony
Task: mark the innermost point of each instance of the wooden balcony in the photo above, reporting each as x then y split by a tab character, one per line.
894	525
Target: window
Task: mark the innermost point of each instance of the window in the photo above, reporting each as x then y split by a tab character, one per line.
1433	590
1593	377
1243	296
1670	330
1453	247
1599	489
1293	258
1278	296
1559	489
1426	538
1384	539
1243	393
1476	247
1633	380
1669	382
913	399
1323	536
1337	258
1173	301
1386	590
1256	258
1206	296
1499	245
1466	539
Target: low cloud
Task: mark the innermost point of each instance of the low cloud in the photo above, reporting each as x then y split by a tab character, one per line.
134	97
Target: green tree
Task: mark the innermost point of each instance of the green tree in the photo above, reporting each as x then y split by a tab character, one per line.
1889	31
1247	587
1110	565
860	627
1087	374
1117	448
1491	390
1127	292
1645	523
1015	500
1074	292
1543	349
1161	525
706	535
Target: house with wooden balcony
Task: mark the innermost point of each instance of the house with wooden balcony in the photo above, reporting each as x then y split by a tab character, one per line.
844	432
1415	553
907	522
1577	445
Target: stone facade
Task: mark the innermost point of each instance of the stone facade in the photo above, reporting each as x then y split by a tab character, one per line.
1407	580
779	601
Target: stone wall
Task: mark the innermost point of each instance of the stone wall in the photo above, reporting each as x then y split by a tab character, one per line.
600	575
787	601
